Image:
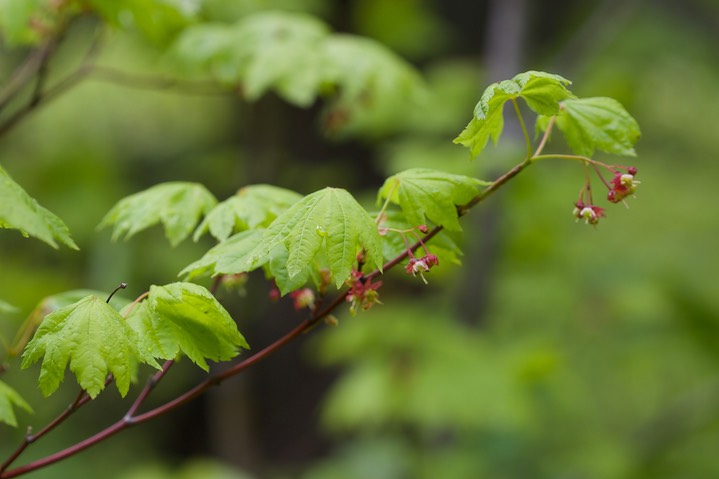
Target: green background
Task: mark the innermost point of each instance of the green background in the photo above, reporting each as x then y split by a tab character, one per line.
556	350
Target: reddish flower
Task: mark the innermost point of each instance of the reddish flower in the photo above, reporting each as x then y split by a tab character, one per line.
362	293
421	265
589	213
622	185
303	298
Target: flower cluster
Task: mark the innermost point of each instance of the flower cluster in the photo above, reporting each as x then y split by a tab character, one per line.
620	186
362	293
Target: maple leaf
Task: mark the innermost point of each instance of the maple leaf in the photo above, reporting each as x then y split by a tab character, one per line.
424	192
185	318
541	91
328	220
598	123
254	206
177	205
20	211
93	338
9	398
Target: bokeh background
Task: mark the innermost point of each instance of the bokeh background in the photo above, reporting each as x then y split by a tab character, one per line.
555	350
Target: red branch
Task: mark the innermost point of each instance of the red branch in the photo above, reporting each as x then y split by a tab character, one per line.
131	419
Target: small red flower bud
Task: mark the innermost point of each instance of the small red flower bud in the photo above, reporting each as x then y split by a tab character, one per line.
303	298
274	294
424	229
632	170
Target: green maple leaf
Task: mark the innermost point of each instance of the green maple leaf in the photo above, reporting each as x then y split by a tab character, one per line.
263	51
9	398
235	255
185	318
52	303
598	123
541	91
228	257
177	205
254	206
296	56
329	220
431	194
366	71
20	211
93	337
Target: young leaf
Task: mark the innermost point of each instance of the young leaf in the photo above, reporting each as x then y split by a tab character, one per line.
367	73
296	56
232	256
93	338
20	211
541	91
598	123
423	192
177	205
263	51
52	303
330	220
185	318
277	268
9	398
254	206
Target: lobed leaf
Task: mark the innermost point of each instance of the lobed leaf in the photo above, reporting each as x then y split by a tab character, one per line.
598	123
93	338
232	256
177	205
330	220
262	51
540	90
431	194
10	399
296	56
185	318
254	206
366	71
20	211
52	303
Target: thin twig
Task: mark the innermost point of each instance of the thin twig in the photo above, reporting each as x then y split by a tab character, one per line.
130	419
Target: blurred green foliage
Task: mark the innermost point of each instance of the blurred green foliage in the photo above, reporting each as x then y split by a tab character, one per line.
596	355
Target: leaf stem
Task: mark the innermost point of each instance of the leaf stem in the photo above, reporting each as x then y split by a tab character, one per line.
570	157
524	127
130	419
378	218
545	137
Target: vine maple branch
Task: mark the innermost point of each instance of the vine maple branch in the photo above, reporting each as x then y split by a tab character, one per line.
131	419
